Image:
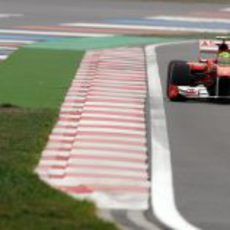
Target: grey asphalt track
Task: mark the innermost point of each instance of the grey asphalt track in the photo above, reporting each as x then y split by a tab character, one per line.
199	136
49	12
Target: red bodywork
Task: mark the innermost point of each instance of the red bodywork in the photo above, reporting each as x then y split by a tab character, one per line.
211	69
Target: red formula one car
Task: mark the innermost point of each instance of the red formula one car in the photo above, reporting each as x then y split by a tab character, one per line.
207	78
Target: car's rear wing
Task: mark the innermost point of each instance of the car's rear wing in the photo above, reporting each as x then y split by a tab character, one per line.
212	45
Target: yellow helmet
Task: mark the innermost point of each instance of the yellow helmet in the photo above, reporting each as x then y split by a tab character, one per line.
224	58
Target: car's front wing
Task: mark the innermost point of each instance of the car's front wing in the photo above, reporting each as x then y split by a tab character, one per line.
195	92
199	91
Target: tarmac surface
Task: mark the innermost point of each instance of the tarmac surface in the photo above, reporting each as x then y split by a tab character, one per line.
199	138
49	12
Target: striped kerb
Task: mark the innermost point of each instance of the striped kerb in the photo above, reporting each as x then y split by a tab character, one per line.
97	149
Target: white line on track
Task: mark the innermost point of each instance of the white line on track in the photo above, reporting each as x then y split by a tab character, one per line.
137	27
21	42
163	200
226	9
49	33
7	48
8	15
3	57
189	19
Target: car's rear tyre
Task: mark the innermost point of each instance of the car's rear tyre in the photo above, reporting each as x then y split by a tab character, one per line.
178	74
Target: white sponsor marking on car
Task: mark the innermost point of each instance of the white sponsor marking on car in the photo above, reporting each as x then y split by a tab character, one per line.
199	91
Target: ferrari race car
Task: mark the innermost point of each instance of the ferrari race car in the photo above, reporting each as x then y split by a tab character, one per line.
207	78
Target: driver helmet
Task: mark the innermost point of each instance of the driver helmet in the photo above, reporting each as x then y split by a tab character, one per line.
224	57
223	47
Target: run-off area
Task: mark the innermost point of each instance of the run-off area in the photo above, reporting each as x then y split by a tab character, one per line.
97	149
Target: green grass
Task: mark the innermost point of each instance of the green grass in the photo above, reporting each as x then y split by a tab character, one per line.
37	78
100	43
36	81
25	201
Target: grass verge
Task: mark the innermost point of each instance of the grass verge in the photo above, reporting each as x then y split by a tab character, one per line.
79	44
37	78
26	202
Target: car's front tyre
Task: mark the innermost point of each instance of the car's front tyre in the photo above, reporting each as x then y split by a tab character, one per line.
178	75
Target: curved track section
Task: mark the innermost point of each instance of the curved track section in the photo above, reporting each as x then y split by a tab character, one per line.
199	140
198	132
163	202
98	148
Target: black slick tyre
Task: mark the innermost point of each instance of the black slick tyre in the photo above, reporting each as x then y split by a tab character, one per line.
178	75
